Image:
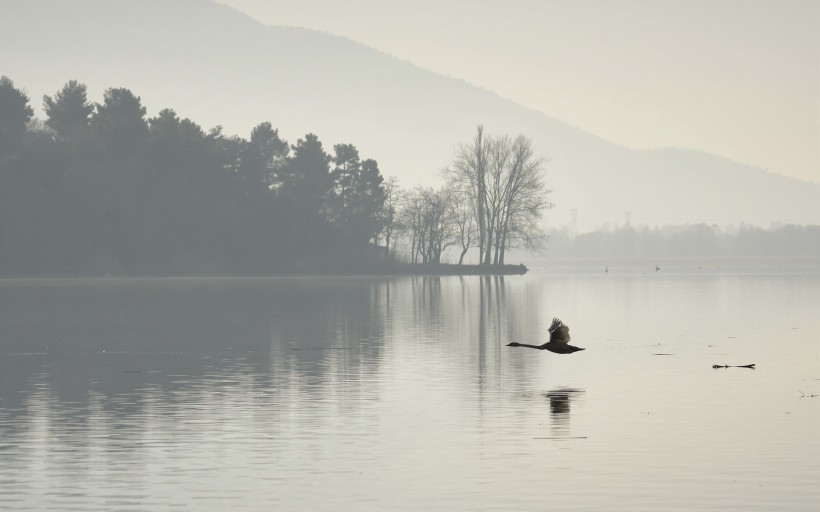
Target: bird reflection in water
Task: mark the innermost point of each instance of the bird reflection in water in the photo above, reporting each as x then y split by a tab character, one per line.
560	400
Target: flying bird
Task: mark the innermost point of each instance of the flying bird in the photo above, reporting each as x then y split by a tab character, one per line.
559	340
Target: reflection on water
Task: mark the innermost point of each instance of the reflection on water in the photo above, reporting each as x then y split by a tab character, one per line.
401	394
560	400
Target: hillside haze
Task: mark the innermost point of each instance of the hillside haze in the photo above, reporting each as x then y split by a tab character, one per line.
220	67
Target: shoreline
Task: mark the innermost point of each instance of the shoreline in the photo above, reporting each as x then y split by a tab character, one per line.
384	270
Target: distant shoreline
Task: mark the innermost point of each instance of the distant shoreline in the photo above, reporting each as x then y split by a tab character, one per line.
686	260
395	269
385	270
449	269
406	269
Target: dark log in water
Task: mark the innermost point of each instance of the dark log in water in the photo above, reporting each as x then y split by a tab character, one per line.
752	366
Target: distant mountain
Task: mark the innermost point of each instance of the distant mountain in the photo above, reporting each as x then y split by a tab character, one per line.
218	66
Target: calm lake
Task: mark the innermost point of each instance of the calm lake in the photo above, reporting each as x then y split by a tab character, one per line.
400	394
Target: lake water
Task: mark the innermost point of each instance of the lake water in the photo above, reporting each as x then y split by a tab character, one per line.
400	394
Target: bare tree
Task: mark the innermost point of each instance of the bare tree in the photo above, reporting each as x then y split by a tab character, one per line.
462	216
440	228
388	215
524	199
410	215
504	182
426	216
500	153
469	171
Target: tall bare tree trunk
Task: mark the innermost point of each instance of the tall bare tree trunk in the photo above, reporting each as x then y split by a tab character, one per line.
481	186
488	250
503	247
461	256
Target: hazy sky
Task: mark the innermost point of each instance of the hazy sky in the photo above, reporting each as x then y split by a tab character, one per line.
739	78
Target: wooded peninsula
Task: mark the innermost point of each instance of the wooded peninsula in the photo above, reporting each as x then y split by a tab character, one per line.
102	189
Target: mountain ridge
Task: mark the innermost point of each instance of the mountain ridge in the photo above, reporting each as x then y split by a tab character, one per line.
218	66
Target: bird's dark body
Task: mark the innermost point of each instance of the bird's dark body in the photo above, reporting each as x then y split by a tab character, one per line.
558	348
559	336
561	348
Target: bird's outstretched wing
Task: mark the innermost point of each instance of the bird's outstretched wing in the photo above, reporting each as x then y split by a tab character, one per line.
559	332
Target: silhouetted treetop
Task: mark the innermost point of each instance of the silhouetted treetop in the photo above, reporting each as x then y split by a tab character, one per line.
262	155
15	114
68	110
305	180
120	120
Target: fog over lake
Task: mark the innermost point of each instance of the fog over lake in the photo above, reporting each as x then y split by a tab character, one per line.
369	393
392	256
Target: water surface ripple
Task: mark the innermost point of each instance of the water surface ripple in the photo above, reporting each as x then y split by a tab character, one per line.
400	394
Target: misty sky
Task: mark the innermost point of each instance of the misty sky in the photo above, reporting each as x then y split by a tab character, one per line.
737	78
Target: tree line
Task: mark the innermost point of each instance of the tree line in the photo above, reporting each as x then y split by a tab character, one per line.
688	241
98	188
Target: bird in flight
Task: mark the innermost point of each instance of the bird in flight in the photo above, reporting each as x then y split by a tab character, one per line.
559	340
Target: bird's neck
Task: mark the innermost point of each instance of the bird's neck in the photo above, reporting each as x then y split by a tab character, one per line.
539	347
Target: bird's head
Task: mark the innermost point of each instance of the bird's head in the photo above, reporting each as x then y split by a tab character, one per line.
513	344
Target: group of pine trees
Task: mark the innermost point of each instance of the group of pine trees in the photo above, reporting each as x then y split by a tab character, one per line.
100	188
